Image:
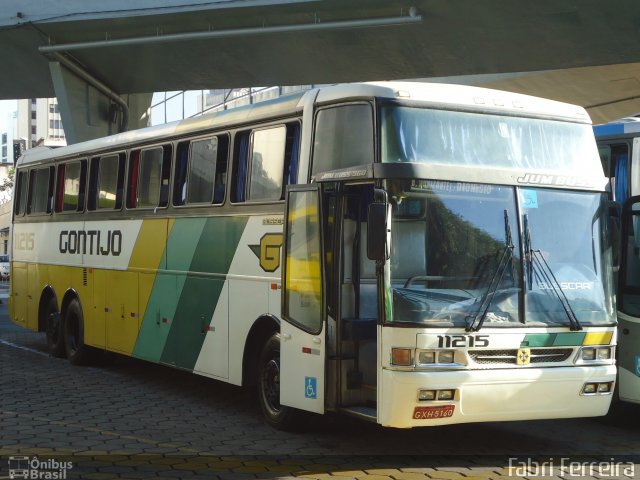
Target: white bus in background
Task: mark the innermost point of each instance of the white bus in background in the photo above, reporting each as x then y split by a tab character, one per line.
445	256
619	147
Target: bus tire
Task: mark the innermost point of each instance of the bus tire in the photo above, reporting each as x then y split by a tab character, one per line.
77	351
276	415
54	329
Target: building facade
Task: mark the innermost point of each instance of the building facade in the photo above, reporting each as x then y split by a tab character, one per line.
38	122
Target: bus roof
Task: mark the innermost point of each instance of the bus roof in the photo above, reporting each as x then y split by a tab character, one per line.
289	104
458	97
437	95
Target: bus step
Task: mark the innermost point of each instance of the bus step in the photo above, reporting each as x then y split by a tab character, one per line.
365	413
354	380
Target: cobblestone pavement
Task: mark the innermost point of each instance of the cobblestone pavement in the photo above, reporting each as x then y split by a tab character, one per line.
122	418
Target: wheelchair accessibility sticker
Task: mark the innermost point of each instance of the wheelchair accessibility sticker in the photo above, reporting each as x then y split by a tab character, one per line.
310	387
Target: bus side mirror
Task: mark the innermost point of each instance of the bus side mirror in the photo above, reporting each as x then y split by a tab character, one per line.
378	232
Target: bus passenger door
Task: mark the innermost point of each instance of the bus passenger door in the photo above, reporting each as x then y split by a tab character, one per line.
302	333
628	357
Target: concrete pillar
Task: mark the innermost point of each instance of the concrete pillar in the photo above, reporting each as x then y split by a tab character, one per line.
88	112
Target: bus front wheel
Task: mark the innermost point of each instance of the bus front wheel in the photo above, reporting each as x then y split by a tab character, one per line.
77	351
276	415
53	326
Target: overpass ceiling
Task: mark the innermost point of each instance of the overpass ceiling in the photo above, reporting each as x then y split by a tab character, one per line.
558	41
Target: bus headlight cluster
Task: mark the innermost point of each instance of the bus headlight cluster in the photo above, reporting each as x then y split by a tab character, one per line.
426	357
592	354
405	357
597	388
432	395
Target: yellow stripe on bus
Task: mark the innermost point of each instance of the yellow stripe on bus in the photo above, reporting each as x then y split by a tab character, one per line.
597	338
150	244
148	254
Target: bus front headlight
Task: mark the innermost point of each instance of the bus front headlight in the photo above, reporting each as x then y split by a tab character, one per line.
596	354
426	357
446	356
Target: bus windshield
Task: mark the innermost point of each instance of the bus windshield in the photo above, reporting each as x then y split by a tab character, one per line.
458	257
423	135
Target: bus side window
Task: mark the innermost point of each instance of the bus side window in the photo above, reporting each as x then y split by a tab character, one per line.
41	182
240	161
264	162
21	194
149	178
106	178
343	138
267	164
292	155
220	182
201	171
70	187
165	176
149	172
60	188
132	184
615	162
180	174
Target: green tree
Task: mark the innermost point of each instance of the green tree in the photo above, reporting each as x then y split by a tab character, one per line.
7	183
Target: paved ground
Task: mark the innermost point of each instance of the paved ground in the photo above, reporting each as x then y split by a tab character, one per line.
121	418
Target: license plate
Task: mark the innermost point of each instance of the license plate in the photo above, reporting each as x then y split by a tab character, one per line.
430	413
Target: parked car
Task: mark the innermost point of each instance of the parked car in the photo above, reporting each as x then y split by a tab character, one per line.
4	267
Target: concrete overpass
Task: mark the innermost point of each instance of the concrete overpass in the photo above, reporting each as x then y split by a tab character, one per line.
103	59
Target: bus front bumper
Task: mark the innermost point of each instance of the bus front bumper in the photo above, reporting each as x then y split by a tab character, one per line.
492	395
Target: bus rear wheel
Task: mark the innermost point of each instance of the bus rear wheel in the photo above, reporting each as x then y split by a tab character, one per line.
77	351
54	329
276	415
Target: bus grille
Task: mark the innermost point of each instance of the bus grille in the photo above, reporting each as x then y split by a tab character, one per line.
538	355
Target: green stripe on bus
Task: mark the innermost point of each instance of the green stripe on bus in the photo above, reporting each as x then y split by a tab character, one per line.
161	308
553	339
568	339
199	296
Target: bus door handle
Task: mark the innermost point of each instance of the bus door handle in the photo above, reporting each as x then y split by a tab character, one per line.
286	336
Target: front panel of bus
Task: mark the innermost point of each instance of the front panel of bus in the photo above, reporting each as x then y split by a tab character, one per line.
498	293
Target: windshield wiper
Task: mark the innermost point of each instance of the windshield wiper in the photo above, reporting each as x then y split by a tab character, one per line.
485	302
545	275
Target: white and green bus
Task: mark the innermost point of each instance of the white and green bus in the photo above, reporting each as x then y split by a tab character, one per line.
407	253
